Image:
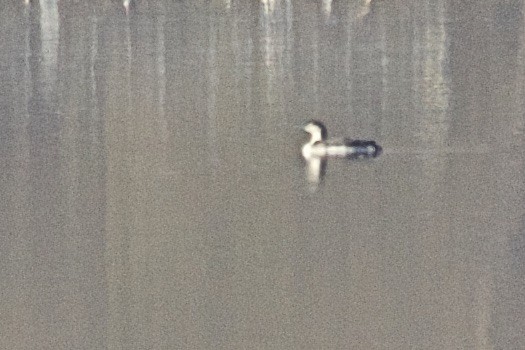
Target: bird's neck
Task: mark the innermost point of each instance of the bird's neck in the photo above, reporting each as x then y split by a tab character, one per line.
315	137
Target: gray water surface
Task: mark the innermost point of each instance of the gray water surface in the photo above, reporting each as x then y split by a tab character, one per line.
153	194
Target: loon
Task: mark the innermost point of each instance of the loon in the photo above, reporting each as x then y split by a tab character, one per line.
320	146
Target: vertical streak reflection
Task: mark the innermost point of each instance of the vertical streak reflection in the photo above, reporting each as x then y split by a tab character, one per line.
128	57
289	33
348	59
92	64
315	73
436	87
273	41
49	29
430	53
269	45
268	6
161	75
213	84
519	123
27	55
384	64
327	8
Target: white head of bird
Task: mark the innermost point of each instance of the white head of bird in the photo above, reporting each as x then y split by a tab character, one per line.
316	130
318	134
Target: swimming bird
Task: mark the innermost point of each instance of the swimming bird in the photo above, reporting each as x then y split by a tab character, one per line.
320	146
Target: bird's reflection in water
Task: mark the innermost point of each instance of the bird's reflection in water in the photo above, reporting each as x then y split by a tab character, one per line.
319	148
315	171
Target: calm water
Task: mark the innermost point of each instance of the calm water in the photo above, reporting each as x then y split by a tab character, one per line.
153	194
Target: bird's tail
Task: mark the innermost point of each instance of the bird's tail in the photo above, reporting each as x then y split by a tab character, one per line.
363	149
